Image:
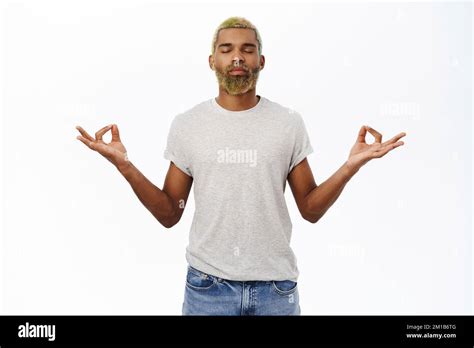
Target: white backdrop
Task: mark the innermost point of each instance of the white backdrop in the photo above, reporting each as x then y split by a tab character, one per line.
76	240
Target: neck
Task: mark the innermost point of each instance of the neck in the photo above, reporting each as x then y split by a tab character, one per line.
239	102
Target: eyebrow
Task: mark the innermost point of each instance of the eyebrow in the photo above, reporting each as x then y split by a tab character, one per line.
230	45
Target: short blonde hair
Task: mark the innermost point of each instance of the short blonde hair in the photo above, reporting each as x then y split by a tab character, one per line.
236	22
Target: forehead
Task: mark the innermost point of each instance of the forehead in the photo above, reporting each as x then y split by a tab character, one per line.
236	36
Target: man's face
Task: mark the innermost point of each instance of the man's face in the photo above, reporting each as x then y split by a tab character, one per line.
236	61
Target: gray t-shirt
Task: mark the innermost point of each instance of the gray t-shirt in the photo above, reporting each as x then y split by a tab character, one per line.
239	161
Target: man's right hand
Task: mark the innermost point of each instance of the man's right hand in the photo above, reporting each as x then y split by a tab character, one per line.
114	151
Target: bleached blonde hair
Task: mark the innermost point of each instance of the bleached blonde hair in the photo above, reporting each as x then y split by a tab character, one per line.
236	22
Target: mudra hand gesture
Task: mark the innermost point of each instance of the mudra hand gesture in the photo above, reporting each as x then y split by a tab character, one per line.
114	151
362	152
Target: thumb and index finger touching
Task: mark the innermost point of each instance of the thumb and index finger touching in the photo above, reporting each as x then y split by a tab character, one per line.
386	146
363	132
91	142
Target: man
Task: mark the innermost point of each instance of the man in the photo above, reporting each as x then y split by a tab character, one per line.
239	149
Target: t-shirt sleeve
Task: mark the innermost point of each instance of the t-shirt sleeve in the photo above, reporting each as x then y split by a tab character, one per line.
302	145
175	146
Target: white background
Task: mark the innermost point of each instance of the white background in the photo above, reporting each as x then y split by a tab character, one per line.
76	240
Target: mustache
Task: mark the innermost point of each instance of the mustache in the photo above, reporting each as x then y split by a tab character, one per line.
232	67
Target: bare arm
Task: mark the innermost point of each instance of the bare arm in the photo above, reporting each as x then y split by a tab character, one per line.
167	204
312	200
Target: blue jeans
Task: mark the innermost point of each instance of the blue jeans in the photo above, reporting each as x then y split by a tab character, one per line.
206	294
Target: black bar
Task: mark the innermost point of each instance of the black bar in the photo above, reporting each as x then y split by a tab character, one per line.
142	330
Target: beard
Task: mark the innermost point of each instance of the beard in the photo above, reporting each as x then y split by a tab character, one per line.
237	84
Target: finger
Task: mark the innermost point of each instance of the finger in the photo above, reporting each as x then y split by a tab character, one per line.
101	132
87	142
361	135
395	138
115	133
84	133
377	135
384	150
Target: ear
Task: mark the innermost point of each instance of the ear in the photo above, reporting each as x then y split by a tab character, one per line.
211	62
262	62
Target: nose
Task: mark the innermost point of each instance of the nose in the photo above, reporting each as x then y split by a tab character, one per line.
236	60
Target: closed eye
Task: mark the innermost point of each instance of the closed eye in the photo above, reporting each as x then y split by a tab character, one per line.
246	51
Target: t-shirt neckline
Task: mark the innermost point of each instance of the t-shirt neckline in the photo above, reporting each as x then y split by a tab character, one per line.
223	110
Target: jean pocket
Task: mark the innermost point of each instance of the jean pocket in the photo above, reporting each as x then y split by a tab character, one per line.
284	287
199	280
